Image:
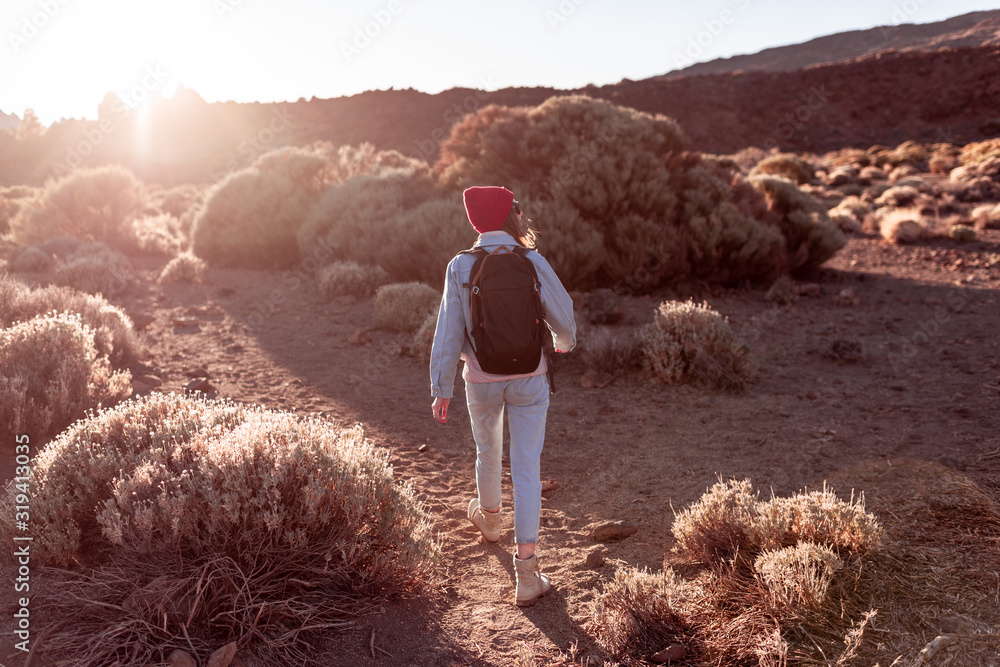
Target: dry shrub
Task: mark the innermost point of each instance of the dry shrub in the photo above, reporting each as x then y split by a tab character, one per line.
250	218
158	234
176	522
751	602
89	204
350	162
423	340
50	374
987	216
350	278
184	268
114	335
810	235
901	225
616	196
848	157
977	153
12	198
850	214
30	259
687	342
96	268
788	165
908	152
611	349
399	221
404	306
898	196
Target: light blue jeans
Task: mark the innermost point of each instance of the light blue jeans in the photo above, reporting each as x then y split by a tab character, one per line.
527	402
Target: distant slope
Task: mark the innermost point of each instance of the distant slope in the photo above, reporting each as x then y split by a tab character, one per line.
974	29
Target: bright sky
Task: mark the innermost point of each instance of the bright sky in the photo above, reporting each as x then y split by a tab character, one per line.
61	56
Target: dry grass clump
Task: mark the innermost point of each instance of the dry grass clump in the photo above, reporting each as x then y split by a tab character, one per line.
687	342
350	279
811	236
89	204
423	340
114	335
987	216
184	268
404	306
176	522
96	268
399	220
903	225
788	165
50	374
898	196
767	576
908	152
611	349
850	214
250	218
977	153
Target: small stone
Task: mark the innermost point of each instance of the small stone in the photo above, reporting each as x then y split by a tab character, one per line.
223	657
199	372
668	655
360	337
595	559
811	395
200	384
179	658
614	530
549	485
186	323
847	297
235	347
422	448
810	289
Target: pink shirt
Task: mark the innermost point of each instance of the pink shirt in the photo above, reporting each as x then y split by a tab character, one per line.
473	373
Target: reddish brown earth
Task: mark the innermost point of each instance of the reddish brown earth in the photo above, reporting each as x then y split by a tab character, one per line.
926	386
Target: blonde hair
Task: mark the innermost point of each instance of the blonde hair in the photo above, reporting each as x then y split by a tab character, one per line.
520	228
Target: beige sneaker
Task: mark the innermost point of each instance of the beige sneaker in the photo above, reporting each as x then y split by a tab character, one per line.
531	584
488	523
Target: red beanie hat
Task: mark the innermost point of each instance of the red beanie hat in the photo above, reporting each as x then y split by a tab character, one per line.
488	206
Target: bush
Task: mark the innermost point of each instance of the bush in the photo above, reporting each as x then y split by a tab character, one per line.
350	278
979	152
88	204
12	198
158	234
693	343
114	335
611	349
189	523
901	225
987	216
423	340
29	259
250	218
398	221
184	268
788	165
50	373
850	214
769	569
897	196
96	268
404	306
811	237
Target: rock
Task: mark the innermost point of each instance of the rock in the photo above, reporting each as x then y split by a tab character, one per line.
222	657
143	384
672	653
200	384
226	292
235	347
186	323
360	337
605	307
199	372
179	658
847	297
844	350
809	289
549	485
614	530
962	233
595	559
422	448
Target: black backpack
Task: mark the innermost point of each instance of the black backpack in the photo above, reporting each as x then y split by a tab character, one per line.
507	315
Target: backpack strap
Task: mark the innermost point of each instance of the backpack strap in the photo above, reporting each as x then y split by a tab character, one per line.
549	360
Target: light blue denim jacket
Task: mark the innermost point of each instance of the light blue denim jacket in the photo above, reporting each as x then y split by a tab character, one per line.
455	318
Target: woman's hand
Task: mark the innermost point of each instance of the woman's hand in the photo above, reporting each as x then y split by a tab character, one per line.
439	408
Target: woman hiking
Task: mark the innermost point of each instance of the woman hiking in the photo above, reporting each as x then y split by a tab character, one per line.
503	228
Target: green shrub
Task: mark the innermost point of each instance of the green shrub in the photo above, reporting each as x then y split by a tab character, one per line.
811	237
350	278
89	204
398	221
404	306
96	268
50	373
693	343
262	527
788	165
616	197
114	335
184	268
250	218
